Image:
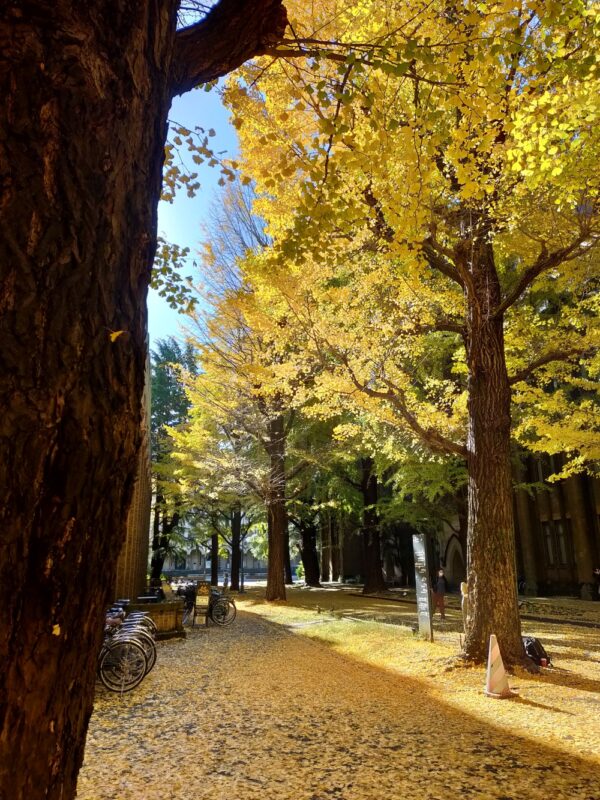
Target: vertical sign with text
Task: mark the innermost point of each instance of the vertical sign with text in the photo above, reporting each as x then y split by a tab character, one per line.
423	591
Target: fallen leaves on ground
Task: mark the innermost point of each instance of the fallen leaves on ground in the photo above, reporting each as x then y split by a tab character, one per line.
291	704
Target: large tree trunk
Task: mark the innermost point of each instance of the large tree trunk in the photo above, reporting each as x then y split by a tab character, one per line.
236	534
82	129
276	511
373	572
309	555
86	89
491	567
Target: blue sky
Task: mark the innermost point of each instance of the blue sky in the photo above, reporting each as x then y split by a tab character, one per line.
180	222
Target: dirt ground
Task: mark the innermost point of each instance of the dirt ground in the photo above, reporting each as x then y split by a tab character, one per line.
298	702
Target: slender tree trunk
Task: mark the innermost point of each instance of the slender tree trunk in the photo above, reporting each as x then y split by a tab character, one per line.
214	559
325	548
309	555
335	550
491	565
236	533
287	561
156	540
373	572
161	539
276	511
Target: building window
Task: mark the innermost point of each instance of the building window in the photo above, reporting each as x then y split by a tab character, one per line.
557	542
561	541
548	542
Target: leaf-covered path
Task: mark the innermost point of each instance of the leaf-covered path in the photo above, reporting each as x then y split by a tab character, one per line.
258	711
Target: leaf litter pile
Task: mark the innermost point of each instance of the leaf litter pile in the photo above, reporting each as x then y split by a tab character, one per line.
295	702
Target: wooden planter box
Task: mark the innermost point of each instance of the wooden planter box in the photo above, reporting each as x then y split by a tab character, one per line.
166	615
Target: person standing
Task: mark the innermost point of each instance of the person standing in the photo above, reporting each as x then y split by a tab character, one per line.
440	588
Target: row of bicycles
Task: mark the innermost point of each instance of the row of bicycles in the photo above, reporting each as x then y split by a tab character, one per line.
129	649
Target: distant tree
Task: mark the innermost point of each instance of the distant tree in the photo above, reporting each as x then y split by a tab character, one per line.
169	407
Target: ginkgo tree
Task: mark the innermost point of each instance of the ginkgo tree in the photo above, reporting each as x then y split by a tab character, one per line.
428	170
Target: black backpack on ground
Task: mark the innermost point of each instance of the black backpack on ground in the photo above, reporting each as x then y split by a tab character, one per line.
534	649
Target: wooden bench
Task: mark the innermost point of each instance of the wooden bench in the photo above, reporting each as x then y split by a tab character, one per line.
201	602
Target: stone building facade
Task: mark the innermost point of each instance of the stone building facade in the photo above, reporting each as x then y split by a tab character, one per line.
558	531
132	566
557	528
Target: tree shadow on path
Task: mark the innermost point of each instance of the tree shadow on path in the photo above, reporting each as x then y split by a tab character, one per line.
275	715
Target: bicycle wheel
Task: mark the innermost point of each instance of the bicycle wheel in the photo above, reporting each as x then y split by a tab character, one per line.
141	636
223	611
140	618
123	665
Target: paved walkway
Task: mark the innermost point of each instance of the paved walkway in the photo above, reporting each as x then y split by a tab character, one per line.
258	711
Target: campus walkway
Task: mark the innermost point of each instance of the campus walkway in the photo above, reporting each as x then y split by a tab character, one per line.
258	710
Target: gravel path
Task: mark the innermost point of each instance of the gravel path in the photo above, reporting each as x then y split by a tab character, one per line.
256	711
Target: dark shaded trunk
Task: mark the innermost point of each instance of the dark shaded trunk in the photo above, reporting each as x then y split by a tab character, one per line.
287	562
373	571
162	529
276	511
155	542
491	565
309	555
214	559
326	547
336	561
86	89
236	554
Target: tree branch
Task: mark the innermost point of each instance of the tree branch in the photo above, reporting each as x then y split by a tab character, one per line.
437	260
547	358
544	262
232	32
431	437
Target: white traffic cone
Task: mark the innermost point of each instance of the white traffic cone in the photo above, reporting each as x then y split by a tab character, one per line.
496	684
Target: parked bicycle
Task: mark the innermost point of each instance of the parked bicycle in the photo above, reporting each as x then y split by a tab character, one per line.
128	652
220	607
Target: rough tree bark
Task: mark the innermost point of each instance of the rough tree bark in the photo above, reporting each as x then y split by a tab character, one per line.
491	566
86	89
276	510
373	572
